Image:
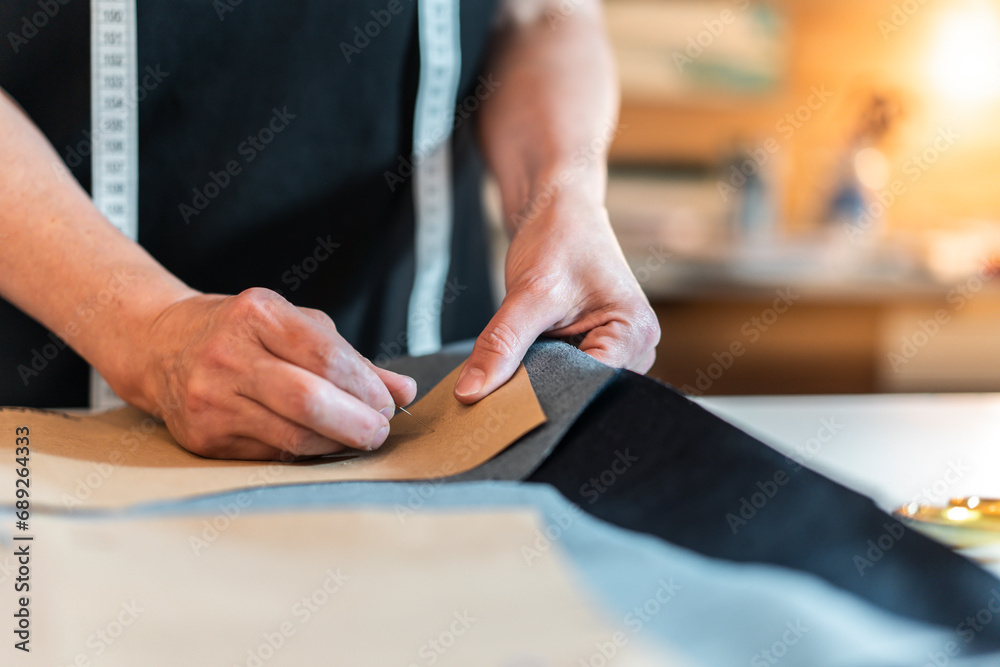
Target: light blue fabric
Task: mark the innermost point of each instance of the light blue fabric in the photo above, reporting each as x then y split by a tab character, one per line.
717	613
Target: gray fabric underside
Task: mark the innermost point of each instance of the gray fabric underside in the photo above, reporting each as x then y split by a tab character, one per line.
565	380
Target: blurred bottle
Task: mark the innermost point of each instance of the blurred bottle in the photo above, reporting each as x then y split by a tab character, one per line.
755	217
861	173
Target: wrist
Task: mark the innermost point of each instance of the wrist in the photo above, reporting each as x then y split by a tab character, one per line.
559	196
132	359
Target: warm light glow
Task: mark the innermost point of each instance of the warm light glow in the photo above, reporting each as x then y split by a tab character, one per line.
957	513
872	168
965	59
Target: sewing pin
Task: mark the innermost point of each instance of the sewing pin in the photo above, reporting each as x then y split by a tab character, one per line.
415	419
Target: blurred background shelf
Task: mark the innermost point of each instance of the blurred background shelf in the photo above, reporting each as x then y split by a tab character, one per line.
845	150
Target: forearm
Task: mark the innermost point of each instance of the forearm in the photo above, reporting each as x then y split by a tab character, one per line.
65	265
549	124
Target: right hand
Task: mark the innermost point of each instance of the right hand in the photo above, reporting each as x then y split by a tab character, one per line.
254	377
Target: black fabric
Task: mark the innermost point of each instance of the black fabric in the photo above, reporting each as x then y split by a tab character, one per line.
646	458
49	77
565	382
212	78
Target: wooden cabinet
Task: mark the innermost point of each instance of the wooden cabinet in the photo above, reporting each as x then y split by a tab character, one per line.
830	346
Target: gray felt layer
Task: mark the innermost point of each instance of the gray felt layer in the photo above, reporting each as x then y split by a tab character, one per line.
565	380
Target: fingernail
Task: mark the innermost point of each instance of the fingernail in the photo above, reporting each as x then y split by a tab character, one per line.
471	382
388	412
410	381
379	437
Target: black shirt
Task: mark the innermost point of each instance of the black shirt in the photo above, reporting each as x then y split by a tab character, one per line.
272	143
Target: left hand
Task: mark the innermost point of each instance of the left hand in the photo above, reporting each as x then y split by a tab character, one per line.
566	276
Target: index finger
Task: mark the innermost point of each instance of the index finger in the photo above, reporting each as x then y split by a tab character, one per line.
289	334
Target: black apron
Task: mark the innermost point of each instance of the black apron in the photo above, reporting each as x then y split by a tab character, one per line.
274	152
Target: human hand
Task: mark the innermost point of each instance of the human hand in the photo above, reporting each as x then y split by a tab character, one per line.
254	377
566	276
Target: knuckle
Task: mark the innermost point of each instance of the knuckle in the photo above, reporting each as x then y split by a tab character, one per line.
538	284
215	354
254	307
292	439
363	430
195	443
198	398
345	367
301	405
321	317
367	386
329	358
645	326
500	340
204	443
649	328
257	295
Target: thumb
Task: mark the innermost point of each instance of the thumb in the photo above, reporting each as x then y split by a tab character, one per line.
502	345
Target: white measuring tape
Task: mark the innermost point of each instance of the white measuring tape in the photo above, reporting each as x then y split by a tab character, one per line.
115	156
114	130
434	117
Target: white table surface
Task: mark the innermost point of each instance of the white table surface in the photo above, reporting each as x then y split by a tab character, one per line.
893	448
896	449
